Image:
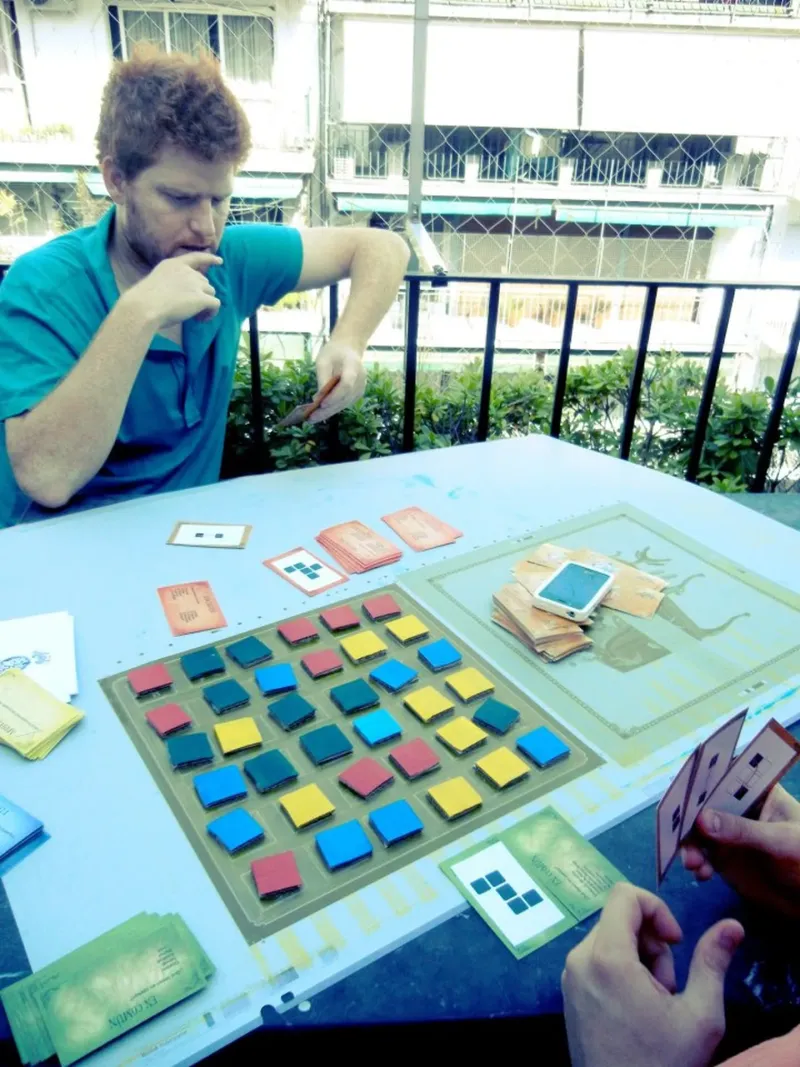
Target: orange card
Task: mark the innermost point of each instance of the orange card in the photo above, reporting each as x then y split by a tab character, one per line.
191	608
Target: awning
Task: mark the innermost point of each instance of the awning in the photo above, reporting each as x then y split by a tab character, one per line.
660	216
244	188
398	205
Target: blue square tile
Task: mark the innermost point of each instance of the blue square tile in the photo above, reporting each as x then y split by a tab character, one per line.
269	770
495	716
495	878
542	746
291	711
277	679
354	696
439	655
316	566
248	652
236	830
291	570
377	727
395	822
393	675
506	892
225	696
480	885
325	744
531	898
220	786
342	845
202	664
188	750
518	905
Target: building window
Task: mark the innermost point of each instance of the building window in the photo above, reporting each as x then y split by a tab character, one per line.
244	44
6	42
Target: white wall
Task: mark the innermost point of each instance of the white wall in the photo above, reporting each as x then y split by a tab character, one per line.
685	82
478	74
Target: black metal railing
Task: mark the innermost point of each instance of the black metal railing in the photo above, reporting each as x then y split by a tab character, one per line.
413	288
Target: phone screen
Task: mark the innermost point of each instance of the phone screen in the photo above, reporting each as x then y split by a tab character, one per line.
575	586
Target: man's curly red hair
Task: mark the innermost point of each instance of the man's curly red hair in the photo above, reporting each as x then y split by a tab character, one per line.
153	100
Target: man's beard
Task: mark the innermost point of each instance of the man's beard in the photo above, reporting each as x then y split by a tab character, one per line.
139	241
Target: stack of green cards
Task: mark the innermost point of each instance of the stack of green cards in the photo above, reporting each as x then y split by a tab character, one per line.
100	991
533	881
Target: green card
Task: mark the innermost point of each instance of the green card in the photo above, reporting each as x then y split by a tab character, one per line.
533	881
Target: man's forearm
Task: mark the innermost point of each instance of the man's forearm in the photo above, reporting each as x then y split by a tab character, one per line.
376	272
58	446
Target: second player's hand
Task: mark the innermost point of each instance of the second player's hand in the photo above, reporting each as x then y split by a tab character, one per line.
759	858
620	1000
175	290
337	360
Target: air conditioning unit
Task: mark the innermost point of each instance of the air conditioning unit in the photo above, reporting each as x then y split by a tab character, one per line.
531	144
55	6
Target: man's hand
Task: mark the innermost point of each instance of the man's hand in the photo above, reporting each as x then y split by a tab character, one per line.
620	999
760	858
339	361
176	290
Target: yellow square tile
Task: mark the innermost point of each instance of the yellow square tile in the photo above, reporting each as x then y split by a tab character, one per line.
428	703
361	647
469	684
306	806
237	734
407	630
461	735
454	798
502	768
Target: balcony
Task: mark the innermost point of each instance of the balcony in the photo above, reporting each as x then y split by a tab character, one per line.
683	173
624	172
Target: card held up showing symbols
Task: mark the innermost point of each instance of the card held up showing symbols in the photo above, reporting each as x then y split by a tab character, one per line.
309	574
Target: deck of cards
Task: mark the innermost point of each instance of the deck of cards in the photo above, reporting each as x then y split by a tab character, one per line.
357	548
712	778
32	720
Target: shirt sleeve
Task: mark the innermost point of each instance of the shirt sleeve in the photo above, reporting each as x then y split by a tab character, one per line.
263	263
782	1052
40	342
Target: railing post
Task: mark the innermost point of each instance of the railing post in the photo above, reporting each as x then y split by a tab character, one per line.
256	397
412	329
563	361
637	374
772	431
488	360
710	384
333	306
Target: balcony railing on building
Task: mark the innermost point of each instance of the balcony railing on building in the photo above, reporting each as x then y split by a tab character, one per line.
588	171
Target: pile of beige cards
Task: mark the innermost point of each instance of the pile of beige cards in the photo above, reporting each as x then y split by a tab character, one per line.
549	636
106	988
32	720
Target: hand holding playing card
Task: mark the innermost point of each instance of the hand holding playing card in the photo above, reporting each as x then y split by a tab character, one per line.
337	360
620	999
759	858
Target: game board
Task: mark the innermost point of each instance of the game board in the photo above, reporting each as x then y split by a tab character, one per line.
258	918
721	635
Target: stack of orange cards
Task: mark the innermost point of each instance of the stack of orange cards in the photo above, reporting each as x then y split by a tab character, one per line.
357	548
420	530
191	608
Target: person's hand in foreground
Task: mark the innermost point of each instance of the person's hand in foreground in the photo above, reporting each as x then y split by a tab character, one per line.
759	858
621	1004
337	360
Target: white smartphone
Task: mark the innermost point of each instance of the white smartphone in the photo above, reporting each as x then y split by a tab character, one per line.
574	591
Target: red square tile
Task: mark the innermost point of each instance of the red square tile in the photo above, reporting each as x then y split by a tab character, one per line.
365	777
298	631
318	664
414	758
144	680
276	874
167	719
382	607
339	619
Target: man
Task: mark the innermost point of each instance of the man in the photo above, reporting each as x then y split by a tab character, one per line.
118	341
621	1003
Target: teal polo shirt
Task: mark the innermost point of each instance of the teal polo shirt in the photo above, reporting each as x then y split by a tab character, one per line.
52	303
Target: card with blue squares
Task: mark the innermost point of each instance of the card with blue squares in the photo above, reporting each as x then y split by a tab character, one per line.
314	754
534	880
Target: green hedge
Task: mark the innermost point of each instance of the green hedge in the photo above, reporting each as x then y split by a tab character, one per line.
447	413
